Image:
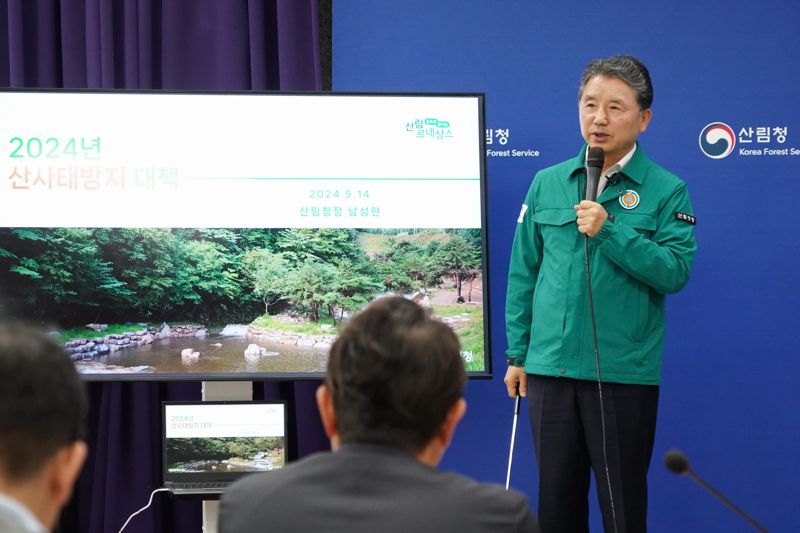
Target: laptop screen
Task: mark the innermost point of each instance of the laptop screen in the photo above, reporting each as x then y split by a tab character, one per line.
217	441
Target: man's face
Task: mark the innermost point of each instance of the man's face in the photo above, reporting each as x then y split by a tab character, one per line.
610	117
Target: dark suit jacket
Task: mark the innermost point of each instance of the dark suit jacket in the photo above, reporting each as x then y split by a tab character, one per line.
371	489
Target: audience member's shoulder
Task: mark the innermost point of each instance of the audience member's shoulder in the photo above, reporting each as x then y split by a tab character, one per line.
469	488
469	485
263	483
507	507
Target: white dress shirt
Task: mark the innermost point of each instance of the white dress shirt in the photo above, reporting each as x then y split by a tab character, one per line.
16	518
613	169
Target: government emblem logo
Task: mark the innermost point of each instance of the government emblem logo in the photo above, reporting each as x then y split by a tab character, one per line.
717	140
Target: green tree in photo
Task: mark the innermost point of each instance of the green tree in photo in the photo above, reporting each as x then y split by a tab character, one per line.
394	274
227	239
460	259
414	261
146	259
310	283
421	268
208	276
258	238
60	269
473	236
268	273
354	287
326	245
395	279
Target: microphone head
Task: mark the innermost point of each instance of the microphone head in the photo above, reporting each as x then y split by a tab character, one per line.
676	462
595	157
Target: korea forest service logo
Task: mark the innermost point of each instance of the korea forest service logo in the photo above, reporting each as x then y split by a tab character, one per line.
717	140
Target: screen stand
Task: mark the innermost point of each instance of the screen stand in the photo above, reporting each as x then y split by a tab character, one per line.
221	390
227	390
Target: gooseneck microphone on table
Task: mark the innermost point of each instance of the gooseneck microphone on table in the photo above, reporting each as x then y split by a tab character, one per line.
678	463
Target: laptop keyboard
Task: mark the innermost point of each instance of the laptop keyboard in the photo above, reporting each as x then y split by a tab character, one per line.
203	486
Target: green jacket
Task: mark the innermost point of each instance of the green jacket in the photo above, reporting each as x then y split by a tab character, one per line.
644	251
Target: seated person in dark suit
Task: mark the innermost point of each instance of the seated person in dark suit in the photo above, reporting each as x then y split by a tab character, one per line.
391	400
42	412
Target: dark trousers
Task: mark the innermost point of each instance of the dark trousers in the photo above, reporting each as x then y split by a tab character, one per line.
568	435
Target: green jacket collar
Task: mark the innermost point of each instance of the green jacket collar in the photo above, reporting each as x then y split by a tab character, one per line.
635	169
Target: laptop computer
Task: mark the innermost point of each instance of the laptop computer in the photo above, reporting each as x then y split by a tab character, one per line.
206	446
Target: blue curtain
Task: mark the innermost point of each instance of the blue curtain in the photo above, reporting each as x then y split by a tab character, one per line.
159	44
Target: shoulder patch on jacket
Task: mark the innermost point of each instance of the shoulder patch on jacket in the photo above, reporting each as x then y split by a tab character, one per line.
686	218
522	213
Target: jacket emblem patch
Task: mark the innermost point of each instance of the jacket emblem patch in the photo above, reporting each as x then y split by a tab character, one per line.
629	200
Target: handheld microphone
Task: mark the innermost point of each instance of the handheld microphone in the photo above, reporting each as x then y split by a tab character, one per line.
678	463
595	157
594	166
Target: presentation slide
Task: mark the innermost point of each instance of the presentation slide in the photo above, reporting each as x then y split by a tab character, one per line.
222	438
225	420
130	160
230	235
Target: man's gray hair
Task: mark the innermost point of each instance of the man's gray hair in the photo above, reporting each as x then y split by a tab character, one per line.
628	69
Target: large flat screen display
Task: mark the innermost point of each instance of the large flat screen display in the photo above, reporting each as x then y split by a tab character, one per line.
230	235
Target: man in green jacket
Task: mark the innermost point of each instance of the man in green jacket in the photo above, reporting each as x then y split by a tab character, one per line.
639	236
